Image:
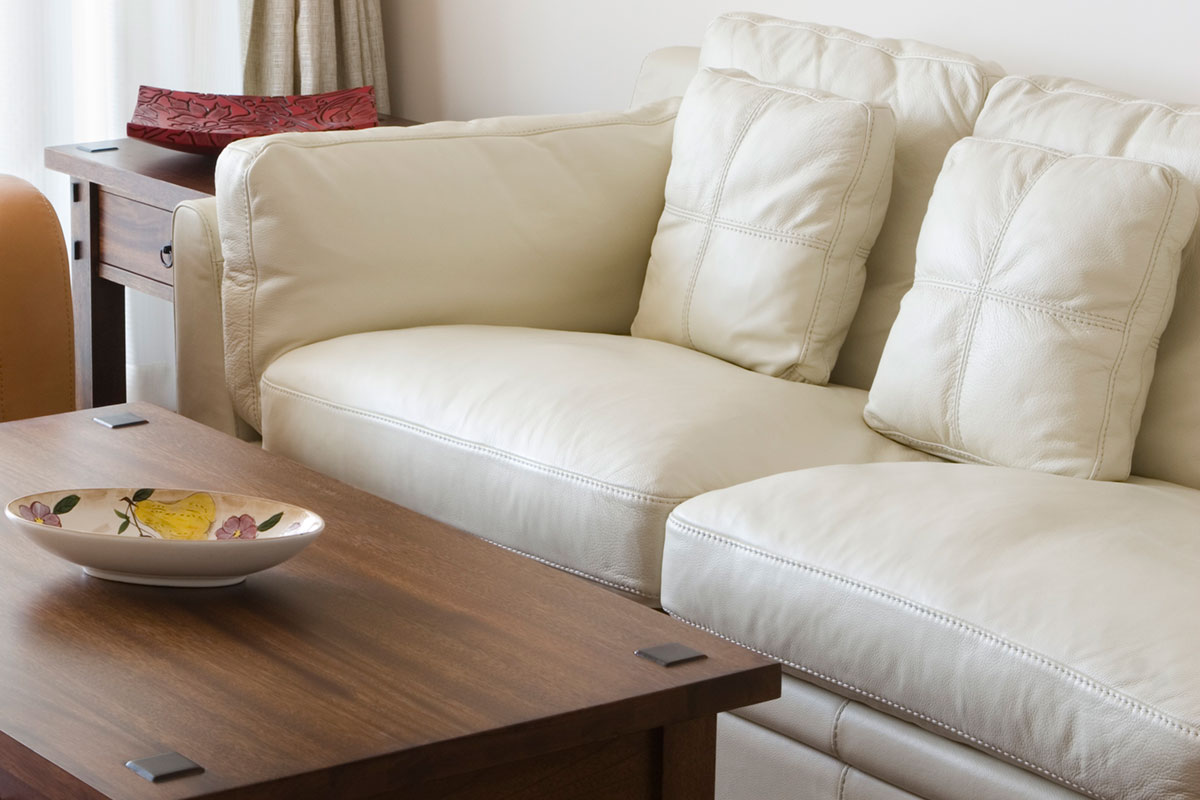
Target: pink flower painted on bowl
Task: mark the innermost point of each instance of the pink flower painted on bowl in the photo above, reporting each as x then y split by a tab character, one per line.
40	513
242	527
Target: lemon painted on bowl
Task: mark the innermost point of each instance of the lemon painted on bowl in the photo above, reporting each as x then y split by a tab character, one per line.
165	537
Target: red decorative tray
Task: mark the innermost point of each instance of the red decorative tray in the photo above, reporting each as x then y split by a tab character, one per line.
205	123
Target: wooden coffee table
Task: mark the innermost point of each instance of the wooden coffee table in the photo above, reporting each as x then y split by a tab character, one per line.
395	657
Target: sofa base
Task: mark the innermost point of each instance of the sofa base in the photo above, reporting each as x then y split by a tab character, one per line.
812	744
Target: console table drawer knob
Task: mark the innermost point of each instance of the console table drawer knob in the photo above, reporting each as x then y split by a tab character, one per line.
166	256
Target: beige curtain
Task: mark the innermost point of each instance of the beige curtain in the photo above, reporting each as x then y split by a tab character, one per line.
311	46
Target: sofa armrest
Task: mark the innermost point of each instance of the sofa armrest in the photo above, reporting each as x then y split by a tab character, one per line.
199	351
533	221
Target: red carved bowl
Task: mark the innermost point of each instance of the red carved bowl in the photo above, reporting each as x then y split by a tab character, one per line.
205	123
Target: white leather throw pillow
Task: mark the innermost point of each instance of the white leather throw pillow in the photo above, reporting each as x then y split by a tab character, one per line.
773	200
1043	282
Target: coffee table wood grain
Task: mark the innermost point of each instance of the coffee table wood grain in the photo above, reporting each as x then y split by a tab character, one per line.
395	657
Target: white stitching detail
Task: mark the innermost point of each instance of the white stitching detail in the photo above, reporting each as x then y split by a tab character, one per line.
745	227
751	116
400	135
841	792
955	411
838	230
1189	112
580	573
1034	303
935	448
825	34
537	466
1133	310
880	699
833	733
987	636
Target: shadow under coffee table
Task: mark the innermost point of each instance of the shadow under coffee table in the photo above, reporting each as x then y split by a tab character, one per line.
394	657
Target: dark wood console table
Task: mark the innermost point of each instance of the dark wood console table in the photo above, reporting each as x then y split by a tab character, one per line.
121	205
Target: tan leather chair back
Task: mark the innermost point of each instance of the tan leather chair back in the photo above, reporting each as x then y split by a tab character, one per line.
37	339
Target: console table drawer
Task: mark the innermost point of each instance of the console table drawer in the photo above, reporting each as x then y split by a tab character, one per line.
131	238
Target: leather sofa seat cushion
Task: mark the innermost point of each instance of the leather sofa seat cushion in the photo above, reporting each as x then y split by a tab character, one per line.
1049	622
1079	117
570	447
773	200
1043	282
935	93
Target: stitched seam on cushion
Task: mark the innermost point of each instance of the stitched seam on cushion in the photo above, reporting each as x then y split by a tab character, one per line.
838	230
1049	307
1074	676
833	736
1133	309
816	95
766	233
854	40
955	426
716	204
1114	98
1027	145
536	466
400	137
556	565
898	706
841	792
863	249
934	447
214	243
257	394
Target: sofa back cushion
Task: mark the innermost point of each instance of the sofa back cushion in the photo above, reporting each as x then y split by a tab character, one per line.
935	94
1082	118
774	198
1043	283
543	221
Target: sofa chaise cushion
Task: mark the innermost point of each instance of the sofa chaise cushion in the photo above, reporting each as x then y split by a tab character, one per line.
935	93
1043	282
1081	118
773	200
1047	621
569	447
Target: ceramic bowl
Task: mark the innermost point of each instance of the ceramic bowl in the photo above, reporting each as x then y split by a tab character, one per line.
204	123
165	537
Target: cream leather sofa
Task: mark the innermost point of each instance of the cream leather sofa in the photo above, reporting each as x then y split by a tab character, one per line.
441	315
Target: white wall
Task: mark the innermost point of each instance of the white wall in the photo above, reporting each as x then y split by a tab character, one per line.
457	59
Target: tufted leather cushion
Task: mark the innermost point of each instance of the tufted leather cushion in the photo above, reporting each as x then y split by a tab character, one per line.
935	94
773	200
1081	118
1043	282
1048	621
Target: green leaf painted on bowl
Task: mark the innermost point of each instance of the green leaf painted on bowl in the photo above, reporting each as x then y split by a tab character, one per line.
66	504
142	494
270	522
120	515
124	525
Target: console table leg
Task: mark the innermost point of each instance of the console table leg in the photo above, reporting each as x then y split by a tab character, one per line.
99	308
689	765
